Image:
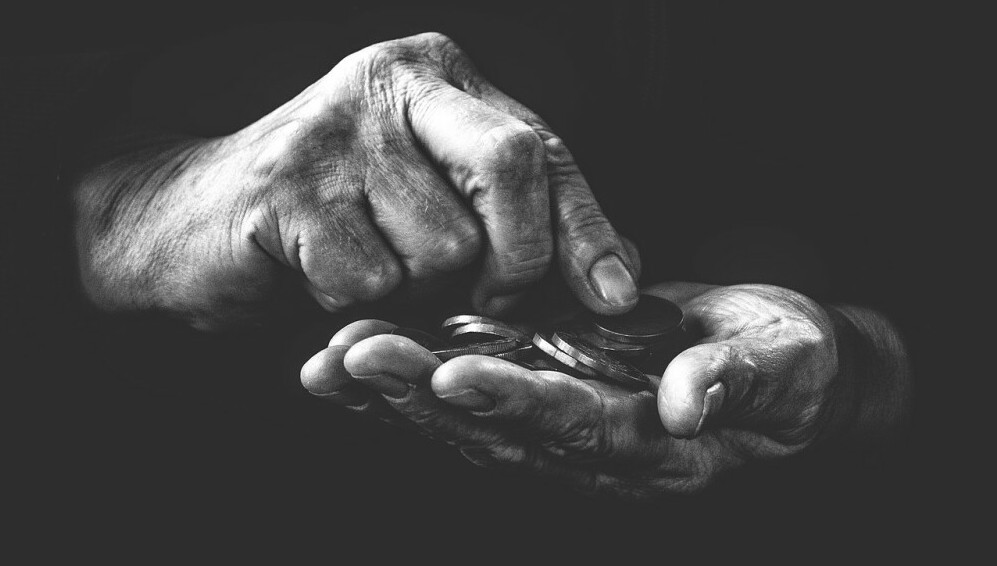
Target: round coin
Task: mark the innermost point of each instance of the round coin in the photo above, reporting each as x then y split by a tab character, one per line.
573	366
489	331
604	364
482	348
524	352
621	349
461	319
651	320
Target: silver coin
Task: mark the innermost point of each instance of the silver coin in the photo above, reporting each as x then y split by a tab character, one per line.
523	353
573	366
604	364
621	349
482	348
461	319
488	331
651	320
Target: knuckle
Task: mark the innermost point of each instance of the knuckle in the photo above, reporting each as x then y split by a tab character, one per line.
818	345
444	50
384	64
582	216
389	53
584	232
524	265
813	337
429	48
559	158
435	40
512	147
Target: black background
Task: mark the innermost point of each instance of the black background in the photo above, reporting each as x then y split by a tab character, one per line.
822	147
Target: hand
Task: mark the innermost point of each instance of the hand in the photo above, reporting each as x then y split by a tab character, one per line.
401	166
775	350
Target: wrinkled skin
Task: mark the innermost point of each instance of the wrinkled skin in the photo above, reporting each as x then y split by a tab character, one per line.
774	349
398	169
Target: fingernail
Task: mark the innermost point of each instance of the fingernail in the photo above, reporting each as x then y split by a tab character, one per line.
711	403
385	384
471	399
613	281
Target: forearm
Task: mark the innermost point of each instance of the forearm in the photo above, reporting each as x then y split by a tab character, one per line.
130	218
875	379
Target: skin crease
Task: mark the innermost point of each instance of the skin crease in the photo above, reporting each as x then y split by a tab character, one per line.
773	348
397	170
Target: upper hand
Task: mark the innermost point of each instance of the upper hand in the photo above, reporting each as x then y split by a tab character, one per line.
400	166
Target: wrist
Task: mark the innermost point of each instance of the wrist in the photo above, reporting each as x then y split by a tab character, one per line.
874	377
130	220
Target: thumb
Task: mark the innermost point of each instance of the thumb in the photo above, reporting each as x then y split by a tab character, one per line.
700	383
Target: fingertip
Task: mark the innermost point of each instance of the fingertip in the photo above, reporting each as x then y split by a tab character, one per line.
680	395
679	415
324	373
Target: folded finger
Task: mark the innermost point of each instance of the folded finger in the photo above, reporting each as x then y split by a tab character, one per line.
568	416
400	370
497	163
430	228
325	377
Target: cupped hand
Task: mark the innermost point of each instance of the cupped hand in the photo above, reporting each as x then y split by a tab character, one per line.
773	349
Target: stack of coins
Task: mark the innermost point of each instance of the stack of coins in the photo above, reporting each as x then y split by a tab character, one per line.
620	349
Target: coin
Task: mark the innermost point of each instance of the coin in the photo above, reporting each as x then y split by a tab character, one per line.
621	349
477	331
520	354
461	319
481	348
604	364
664	351
652	319
420	337
570	365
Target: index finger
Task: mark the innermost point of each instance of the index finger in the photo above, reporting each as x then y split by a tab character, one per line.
594	261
